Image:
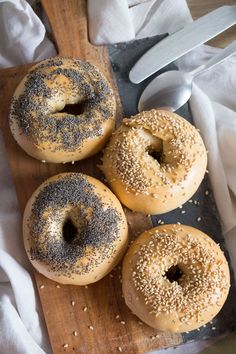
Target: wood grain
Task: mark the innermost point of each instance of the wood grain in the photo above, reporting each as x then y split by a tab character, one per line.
103	300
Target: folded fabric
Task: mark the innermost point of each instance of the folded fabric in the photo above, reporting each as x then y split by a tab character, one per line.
21	321
213	107
22	327
122	20
23	37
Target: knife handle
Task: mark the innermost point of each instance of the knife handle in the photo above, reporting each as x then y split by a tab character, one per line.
218	58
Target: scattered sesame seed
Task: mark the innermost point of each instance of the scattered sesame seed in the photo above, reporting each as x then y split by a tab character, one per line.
43	161
117	316
199	219
86	286
85	308
111	275
183	211
66	345
122	322
75	333
41	286
90	327
119	349
206	192
213	328
58	286
72	303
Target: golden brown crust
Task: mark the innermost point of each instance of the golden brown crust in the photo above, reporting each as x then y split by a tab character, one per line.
74	229
140	181
46	133
175	278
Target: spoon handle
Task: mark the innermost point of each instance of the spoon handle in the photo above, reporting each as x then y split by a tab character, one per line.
217	59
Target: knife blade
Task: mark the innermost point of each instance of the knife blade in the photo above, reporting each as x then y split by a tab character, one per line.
183	41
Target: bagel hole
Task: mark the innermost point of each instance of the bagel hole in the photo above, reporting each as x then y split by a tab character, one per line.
74	109
157	154
174	273
69	231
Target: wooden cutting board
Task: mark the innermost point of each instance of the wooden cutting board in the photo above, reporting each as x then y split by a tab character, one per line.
70	310
91	319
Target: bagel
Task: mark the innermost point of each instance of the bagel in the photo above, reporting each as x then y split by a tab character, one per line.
154	162
175	278
74	229
62	111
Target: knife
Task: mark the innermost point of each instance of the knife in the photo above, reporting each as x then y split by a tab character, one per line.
182	42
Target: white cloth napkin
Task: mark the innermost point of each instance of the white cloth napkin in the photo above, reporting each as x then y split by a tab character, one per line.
22	327
113	21
22	35
23	40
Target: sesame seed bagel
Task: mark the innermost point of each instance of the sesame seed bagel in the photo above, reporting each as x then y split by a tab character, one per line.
155	161
175	278
74	229
63	110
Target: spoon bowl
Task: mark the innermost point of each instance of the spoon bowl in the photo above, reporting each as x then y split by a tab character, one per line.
172	89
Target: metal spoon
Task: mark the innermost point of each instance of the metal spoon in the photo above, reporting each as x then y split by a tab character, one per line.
172	89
